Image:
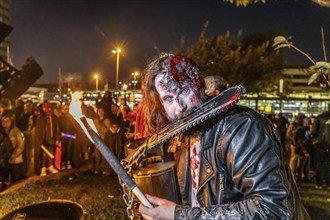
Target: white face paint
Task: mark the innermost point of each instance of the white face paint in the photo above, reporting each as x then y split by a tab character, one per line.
179	101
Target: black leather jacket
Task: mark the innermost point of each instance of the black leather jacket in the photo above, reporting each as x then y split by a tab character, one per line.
321	130
242	174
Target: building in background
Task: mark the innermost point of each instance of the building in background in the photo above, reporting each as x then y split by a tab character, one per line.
5	18
295	96
296	78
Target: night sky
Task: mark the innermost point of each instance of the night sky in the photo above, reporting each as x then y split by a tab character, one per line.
79	35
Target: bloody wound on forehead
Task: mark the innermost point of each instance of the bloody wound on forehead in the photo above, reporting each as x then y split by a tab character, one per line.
182	70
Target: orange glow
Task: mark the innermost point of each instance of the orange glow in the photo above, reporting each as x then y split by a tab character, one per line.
75	111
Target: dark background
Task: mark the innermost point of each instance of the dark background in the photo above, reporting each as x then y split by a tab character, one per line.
79	35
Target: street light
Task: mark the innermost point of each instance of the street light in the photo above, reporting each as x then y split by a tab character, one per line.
96	77
117	51
125	89
281	92
135	74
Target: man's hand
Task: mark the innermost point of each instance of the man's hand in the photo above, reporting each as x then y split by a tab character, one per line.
163	209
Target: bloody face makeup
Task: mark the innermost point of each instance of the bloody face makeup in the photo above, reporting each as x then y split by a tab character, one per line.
179	86
177	101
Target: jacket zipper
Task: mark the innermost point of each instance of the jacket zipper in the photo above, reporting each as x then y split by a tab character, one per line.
221	189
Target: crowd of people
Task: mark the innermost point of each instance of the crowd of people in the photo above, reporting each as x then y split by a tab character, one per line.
306	143
42	139
231	168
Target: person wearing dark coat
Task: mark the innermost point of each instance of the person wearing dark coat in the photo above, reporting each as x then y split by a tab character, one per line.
16	160
105	103
321	141
68	137
47	137
6	150
230	167
115	139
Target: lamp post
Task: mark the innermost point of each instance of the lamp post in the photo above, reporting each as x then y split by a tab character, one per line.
135	74
124	88
117	51
281	93
96	77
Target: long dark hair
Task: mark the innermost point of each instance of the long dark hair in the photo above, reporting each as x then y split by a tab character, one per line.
154	112
9	114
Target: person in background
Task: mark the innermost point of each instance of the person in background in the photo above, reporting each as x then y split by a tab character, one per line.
57	111
116	115
214	85
83	147
6	150
271	117
30	142
128	119
47	137
293	161
16	161
303	142
282	125
115	138
105	102
19	111
68	135
231	167
23	120
58	154
102	124
321	141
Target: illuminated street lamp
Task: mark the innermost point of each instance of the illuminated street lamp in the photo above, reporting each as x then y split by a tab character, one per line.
96	77
124	86
135	74
117	51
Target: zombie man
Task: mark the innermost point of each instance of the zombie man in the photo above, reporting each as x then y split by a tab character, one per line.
231	168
